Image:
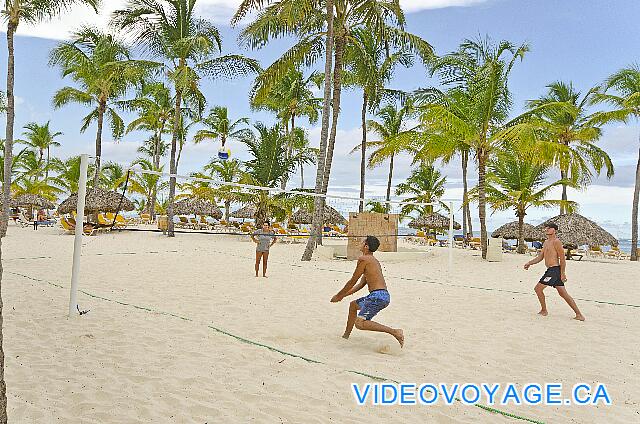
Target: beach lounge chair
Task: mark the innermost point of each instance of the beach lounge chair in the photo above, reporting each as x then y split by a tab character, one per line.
104	225
69	228
596	251
184	222
475	243
22	220
145	218
204	224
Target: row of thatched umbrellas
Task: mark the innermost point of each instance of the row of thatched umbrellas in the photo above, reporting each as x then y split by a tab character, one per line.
573	229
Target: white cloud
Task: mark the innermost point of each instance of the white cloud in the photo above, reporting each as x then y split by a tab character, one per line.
219	11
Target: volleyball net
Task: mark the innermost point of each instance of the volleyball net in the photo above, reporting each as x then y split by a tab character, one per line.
219	204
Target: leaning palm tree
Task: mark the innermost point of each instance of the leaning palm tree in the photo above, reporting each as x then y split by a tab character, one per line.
425	185
220	127
626	102
394	135
568	133
516	180
102	67
370	66
190	48
480	72
41	138
230	172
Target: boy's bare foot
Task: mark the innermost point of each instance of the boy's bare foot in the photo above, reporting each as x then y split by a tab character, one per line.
257	275
265	276
543	313
345	336
579	317
399	335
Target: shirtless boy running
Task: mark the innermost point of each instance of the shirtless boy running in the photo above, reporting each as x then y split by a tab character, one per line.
553	255
371	272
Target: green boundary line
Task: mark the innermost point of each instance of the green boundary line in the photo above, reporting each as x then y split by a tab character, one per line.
419	280
271	348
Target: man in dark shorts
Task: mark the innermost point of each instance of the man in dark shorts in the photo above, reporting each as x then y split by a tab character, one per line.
371	272
553	254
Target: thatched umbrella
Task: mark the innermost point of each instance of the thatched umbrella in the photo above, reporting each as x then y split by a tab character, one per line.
32	200
97	200
510	232
246	212
433	221
576	230
330	216
197	207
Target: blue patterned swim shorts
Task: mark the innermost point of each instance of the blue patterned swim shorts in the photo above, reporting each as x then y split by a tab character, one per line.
370	305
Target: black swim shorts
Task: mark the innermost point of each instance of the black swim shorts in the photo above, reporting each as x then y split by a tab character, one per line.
552	277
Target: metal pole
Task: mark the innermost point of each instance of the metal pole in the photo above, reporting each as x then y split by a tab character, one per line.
79	231
450	236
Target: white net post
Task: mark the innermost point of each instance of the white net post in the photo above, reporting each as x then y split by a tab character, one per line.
79	231
450	236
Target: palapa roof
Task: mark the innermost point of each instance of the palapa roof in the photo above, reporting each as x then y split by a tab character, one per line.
97	200
198	207
510	232
576	230
246	212
32	200
435	221
331	216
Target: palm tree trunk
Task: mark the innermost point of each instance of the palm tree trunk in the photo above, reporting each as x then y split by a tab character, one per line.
521	246
563	210
290	135
301	175
227	211
465	183
482	205
173	166
318	203
363	153
387	205
8	160
3	386
634	213
46	172
102	106
464	162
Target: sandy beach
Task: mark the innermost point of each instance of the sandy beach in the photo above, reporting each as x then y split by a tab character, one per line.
158	343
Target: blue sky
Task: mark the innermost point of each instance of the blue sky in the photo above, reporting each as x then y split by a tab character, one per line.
579	41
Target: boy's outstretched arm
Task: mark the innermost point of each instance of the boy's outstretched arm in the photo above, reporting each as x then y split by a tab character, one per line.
359	286
352	281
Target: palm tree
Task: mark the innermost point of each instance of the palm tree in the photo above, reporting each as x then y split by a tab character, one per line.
15	12
220	127
112	176
3	102
425	185
394	137
626	102
480	72
289	99
569	133
268	167
370	66
101	65
17	160
190	47
41	138
229	171
306	21
68	174
516	180
301	151
445	145
377	207
147	185
154	105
